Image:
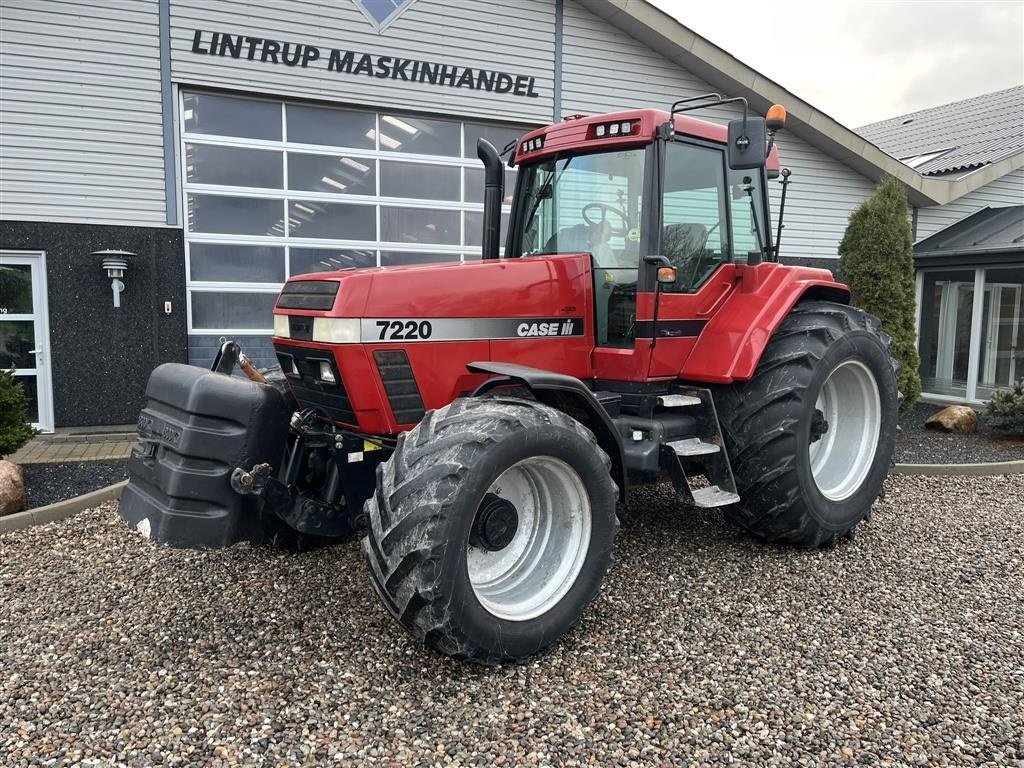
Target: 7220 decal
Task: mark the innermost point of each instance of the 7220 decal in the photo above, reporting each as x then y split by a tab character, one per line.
407	329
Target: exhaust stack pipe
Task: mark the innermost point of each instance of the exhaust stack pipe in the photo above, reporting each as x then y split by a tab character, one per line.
494	191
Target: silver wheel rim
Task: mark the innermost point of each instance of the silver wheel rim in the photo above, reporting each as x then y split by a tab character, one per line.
850	403
538	567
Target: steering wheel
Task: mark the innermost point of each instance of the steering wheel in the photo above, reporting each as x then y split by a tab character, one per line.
605	210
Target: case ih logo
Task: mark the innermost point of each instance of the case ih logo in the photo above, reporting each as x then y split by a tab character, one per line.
382	13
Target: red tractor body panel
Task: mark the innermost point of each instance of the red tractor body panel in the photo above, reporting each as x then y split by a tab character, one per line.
739	327
721	329
534	296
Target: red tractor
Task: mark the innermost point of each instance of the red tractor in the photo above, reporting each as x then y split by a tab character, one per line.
478	422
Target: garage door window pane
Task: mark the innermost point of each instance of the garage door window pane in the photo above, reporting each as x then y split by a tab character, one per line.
498	135
419	135
232	310
236	263
231	166
475	228
335	221
332	173
332	127
475	185
400	258
235	215
419	180
419	225
227	116
304	260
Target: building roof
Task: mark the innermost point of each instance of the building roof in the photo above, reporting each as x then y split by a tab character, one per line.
955	137
683	46
984	235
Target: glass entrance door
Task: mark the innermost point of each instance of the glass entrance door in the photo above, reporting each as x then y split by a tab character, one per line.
1000	345
24	331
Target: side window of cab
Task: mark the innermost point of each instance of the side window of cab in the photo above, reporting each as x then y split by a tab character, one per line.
695	230
746	206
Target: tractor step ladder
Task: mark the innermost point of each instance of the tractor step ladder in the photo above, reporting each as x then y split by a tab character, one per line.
713	496
699	465
678	401
693	446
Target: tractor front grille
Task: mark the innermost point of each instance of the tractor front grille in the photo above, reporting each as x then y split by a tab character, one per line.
302	368
400	385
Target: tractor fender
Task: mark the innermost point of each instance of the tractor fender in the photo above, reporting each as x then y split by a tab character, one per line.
731	343
564	393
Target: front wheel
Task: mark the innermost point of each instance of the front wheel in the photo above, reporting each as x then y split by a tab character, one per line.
811	435
491	528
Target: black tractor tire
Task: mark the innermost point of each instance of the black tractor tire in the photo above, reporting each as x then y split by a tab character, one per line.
768	424
425	512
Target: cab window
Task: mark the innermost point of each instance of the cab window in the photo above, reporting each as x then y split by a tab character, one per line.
589	204
694	233
746	206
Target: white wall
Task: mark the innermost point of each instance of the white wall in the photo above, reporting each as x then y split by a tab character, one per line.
80	134
1007	190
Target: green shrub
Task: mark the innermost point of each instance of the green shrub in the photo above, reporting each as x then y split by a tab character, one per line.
1005	411
876	257
15	430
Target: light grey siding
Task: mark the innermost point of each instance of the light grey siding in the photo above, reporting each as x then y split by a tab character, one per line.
517	38
80	138
605	70
1007	190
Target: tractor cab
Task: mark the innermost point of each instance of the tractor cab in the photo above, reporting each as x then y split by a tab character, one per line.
664	209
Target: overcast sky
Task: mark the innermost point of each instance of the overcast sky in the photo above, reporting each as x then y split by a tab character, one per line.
860	61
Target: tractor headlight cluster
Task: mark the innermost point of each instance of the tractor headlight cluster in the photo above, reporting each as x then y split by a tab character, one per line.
621	128
281	327
336	330
532	145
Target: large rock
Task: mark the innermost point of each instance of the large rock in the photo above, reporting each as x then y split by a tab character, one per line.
955	418
12	488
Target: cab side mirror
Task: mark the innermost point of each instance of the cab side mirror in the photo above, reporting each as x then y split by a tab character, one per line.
748	143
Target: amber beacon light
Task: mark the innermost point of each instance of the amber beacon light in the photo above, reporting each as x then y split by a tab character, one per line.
775	119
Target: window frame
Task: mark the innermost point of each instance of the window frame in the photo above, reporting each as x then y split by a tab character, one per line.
648	281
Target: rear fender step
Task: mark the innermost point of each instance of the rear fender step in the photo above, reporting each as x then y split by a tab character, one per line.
699	466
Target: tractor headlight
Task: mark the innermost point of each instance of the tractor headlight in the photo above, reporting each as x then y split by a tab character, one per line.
336	330
327	374
281	326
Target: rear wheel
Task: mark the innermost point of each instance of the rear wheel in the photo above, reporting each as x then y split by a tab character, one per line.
491	528
811	435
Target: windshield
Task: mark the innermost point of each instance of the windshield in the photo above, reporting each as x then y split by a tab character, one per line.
583	204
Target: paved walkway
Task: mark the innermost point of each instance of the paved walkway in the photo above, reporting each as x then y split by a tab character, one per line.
77	445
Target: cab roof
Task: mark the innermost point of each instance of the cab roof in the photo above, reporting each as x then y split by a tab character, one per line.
578	133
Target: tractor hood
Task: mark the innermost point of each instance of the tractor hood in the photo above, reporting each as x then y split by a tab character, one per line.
527	287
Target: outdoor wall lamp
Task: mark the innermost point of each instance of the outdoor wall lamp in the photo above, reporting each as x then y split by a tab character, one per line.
115	263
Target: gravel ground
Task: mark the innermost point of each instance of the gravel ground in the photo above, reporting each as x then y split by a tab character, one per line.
902	646
917	445
48	483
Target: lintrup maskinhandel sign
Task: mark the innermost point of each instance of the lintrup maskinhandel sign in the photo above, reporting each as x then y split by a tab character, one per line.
367	64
